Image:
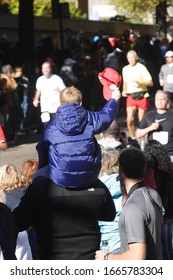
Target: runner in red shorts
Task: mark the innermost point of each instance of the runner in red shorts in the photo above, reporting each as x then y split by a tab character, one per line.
136	80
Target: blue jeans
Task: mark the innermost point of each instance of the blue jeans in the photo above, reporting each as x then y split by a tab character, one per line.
167	238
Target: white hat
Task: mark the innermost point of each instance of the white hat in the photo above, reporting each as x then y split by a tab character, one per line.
169	54
68	61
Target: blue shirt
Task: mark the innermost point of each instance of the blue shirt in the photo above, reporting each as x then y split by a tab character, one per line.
109	230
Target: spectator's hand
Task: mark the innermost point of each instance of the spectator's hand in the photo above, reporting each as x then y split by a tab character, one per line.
161	82
116	94
35	102
154	126
99	255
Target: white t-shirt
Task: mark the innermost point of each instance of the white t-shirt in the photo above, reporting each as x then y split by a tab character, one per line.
50	92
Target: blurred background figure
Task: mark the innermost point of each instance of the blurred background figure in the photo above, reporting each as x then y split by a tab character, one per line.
21	97
48	88
3	143
166	75
8	86
67	74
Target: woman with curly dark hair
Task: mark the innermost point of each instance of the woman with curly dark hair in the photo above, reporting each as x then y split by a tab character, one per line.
163	171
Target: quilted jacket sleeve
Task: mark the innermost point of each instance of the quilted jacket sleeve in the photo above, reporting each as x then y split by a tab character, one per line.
102	119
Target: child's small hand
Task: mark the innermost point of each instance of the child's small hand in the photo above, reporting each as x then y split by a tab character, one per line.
116	94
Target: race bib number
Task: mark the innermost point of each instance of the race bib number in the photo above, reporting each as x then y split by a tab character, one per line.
161	136
170	79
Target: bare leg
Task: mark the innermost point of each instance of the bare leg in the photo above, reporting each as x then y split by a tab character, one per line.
130	120
140	114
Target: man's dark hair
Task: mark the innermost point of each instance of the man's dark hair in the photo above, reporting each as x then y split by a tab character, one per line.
133	163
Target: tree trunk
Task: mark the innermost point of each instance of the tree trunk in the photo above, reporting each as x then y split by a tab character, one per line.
26	34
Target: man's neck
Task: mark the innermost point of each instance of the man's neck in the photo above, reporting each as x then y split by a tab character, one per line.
161	111
129	183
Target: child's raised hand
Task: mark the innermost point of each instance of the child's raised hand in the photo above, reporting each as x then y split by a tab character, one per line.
116	94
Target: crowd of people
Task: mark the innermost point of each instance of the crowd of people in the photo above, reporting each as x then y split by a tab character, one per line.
93	182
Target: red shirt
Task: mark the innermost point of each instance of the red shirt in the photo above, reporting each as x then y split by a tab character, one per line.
2	136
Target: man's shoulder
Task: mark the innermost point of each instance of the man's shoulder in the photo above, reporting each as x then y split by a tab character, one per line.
164	66
126	67
170	112
150	113
55	77
40	79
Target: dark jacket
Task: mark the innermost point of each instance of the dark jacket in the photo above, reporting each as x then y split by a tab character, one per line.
8	232
65	220
69	147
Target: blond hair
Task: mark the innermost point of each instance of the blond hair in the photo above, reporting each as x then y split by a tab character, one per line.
11	178
110	162
133	53
161	91
70	95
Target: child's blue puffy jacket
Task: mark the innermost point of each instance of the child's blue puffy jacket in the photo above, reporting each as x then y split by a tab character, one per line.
69	147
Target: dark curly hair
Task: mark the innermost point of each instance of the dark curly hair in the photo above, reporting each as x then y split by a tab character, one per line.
161	159
163	172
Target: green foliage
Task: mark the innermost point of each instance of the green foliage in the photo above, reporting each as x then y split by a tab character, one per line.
137	10
77	13
44	8
14	6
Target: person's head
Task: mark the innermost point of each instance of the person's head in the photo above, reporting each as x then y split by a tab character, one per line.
70	95
132	163
169	57
18	72
11	178
29	168
132	57
7	69
109	163
159	154
47	68
133	143
113	131
161	100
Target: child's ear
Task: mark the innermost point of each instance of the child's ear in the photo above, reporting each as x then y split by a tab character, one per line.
101	135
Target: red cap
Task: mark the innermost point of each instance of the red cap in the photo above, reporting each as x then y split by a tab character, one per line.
109	78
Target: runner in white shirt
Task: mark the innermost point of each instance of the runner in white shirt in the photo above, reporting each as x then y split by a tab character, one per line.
48	88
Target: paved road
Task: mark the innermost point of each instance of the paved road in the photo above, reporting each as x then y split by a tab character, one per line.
20	151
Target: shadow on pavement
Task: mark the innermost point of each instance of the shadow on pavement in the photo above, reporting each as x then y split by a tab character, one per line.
32	137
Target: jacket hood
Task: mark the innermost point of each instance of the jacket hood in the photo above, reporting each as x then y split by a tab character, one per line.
71	119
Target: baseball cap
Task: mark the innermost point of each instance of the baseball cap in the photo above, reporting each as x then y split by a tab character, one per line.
169	54
68	61
110	79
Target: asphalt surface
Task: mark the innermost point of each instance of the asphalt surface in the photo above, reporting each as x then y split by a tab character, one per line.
20	150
